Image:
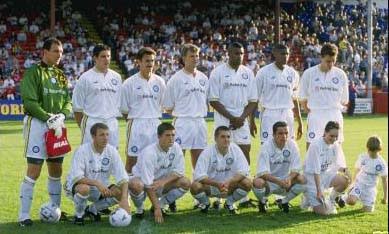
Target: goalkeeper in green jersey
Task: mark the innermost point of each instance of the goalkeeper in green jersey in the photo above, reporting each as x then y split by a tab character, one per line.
46	102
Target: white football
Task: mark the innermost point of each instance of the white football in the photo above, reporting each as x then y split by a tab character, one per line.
119	218
49	213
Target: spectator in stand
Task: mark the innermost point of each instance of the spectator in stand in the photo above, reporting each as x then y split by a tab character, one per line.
352	95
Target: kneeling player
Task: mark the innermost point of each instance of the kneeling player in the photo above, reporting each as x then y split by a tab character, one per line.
368	168
278	169
221	171
160	172
325	168
88	179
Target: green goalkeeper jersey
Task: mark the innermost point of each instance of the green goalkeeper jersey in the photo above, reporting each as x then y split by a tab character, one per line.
44	90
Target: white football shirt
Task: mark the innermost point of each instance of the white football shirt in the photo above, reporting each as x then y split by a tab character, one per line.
89	164
213	165
324	90
277	88
97	94
233	89
370	169
187	95
142	98
155	163
278	162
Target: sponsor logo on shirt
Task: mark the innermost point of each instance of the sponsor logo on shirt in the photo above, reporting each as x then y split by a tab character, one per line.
324	88
53	91
226	85
107	90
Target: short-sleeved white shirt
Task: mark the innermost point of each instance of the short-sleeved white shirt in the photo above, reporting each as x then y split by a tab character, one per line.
86	163
278	162
213	165
97	94
155	163
187	95
324	160
370	169
142	98
324	90
277	88
233	89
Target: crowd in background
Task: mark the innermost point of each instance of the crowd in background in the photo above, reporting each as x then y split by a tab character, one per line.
304	27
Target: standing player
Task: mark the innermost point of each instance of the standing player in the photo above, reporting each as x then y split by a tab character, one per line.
96	96
368	168
160	172
141	105
186	97
277	85
46	102
278	169
221	171
92	165
324	168
324	93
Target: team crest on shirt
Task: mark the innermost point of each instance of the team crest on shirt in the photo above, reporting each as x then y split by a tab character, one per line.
171	156
35	149
53	80
335	80
134	149
202	82
156	88
245	76
114	82
229	161
286	153
311	135
357	191
289	79
105	161
178	140
265	134
378	167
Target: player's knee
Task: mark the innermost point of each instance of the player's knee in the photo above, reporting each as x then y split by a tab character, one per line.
246	184
195	188
184	183
116	192
259	183
351	200
301	179
83	189
136	186
298	188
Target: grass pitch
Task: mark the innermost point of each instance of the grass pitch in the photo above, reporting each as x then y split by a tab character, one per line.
187	220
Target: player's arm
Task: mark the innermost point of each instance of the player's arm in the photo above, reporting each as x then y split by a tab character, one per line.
297	116
221	109
29	92
319	193
78	117
273	179
385	189
233	180
151	193
123	202
210	182
253	126
67	105
166	180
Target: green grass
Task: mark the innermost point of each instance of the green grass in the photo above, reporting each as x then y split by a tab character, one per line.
348	220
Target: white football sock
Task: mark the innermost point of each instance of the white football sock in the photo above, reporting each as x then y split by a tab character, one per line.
26	195
54	187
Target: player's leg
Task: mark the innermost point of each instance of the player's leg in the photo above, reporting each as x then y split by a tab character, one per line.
54	186
138	195
339	184
199	142
86	124
113	126
174	190
236	192
259	188
195	153
101	203
201	192
33	130
80	198
298	186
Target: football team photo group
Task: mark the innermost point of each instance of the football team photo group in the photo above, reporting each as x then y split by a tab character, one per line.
217	147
